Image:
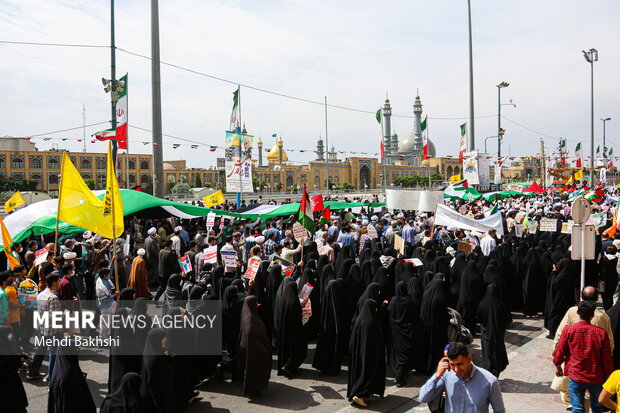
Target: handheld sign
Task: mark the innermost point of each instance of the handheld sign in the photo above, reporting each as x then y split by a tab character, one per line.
305	291
415	261
210	254
371	231
41	255
253	265
299	232
399	244
210	220
184	263
548	225
466	247
229	258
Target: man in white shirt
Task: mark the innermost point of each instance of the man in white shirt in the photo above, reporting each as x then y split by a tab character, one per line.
488	243
176	241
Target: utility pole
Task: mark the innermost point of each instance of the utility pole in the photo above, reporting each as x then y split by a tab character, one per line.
543	169
114	93
326	147
472	138
84	125
158	158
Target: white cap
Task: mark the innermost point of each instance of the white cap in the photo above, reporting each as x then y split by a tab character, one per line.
365	222
616	243
401	215
260	239
69	255
152	231
141	251
178	228
374	218
87	235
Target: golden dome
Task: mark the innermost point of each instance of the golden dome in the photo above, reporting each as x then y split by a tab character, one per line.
273	155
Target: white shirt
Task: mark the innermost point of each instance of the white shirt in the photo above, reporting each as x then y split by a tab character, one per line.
176	244
487	245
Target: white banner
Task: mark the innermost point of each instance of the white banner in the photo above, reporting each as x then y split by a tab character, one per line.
451	218
484	169
239	176
413	200
470	168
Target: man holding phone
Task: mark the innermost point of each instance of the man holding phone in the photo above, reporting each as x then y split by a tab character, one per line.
468	388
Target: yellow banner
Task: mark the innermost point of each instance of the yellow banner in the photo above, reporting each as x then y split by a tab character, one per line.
455	178
214	199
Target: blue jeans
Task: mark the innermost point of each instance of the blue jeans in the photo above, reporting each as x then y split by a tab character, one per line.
577	392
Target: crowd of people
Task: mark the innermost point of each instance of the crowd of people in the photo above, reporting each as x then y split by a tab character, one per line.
382	307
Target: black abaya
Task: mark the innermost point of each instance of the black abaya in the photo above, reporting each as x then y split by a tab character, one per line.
292	344
493	317
560	295
12	391
333	339
434	315
126	398
68	391
158	387
472	290
367	354
254	352
534	284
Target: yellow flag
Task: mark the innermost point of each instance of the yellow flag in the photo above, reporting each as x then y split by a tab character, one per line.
455	178
579	175
214	199
569	180
112	201
16	200
77	205
6	243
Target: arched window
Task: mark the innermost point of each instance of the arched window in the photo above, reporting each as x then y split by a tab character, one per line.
317	180
19	177
132	164
449	171
100	163
86	176
85	164
17	163
457	170
52	163
337	180
144	165
144	179
53	179
132	179
35	163
36	178
2	163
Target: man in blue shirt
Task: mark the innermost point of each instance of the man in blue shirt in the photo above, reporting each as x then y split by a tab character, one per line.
468	388
347	239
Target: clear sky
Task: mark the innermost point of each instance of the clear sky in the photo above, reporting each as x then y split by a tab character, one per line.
353	52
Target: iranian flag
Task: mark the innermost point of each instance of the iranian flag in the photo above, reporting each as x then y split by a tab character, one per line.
121	115
578	156
105	135
382	152
425	137
610	166
463	145
563	151
305	215
326	216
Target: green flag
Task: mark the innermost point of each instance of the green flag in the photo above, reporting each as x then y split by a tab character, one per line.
378	115
275	135
464	129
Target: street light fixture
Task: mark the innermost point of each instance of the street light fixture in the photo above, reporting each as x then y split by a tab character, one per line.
591	56
500	131
604	147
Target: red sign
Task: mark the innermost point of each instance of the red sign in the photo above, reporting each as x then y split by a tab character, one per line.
253	265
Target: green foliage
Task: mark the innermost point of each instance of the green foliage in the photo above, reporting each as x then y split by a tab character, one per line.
90	183
415	180
5	195
345	186
13	185
182	188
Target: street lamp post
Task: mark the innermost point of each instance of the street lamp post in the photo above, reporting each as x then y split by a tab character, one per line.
499	117
591	56
604	147
485	142
472	138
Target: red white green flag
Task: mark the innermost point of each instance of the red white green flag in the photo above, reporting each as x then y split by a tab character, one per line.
578	156
121	114
425	137
305	216
326	216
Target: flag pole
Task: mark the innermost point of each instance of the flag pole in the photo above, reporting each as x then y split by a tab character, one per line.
62	162
114	257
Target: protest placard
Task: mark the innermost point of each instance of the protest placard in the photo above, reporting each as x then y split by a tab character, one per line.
548	224
229	258
466	247
399	244
415	261
41	255
184	263
299	232
253	265
210	219
371	231
305	291
210	254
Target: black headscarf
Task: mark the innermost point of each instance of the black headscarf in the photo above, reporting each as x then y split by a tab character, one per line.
125	299
254	349
173	288
614	317
534	284
367	354
455	278
126	398
493	317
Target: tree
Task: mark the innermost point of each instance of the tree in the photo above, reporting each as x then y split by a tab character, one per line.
182	188
344	186
197	181
11	184
90	183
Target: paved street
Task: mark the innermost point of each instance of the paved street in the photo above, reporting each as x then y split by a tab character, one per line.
525	383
